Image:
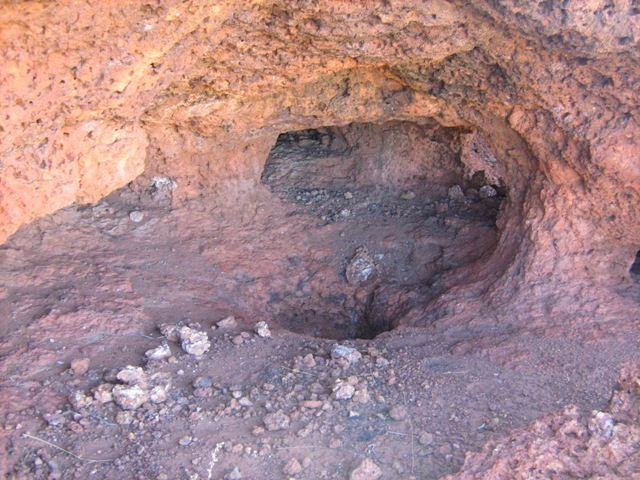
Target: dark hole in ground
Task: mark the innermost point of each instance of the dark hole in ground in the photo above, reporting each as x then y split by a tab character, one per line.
390	210
635	268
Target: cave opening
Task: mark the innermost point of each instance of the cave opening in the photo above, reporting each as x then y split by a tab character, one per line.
390	208
634	271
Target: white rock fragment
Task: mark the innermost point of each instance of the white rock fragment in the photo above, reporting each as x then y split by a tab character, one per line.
159	353
349	354
136	216
360	267
193	341
262	330
170	331
343	390
102	393
131	375
80	400
129	397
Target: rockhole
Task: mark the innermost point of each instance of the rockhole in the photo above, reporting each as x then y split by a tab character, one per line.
386	210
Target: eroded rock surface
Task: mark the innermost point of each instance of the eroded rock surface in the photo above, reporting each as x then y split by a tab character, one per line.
485	153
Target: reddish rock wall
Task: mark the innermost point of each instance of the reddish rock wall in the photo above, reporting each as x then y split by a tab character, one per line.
93	95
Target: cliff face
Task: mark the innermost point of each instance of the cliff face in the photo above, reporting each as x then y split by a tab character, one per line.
96	95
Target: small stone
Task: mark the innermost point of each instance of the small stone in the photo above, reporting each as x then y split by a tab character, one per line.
193	341
202	382
102	393
129	397
131	375
80	366
348	195
276	421
343	391
308	361
237	340
262	330
55	419
455	193
293	467
186	440
136	216
170	331
160	384
234	474
398	413
125	417
425	439
350	354
228	323
335	443
245	402
487	191
159	353
306	462
367	470
360	267
362	396
311	403
408	195
79	400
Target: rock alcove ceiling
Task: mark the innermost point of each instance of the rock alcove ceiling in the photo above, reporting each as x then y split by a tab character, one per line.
450	189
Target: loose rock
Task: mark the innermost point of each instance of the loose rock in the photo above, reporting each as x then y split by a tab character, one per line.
159	353
262	330
350	354
80	366
360	267
293	467
367	470
276	421
228	323
129	397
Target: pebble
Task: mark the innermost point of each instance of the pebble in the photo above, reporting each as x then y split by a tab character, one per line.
487	191
55	419
228	323
348	195
79	400
293	467
136	216
360	267
184	441
131	375
129	397
234	474
367	470
193	341
159	353
276	421
398	413
80	366
455	193
262	330
343	390
350	354
408	195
